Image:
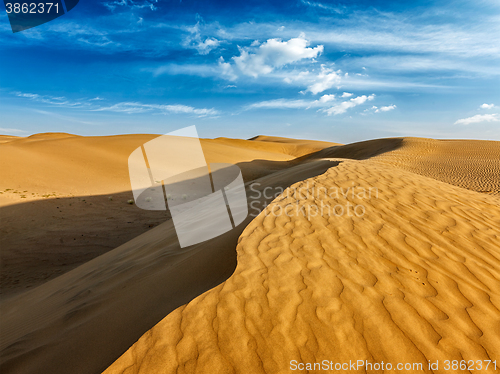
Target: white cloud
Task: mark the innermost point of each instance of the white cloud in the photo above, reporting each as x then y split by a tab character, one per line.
326	98
52	100
227	70
487	106
195	40
274	53
344	106
325	80
323	101
133	5
280	104
136	107
300	77
330	8
385	108
478	118
347	94
123	107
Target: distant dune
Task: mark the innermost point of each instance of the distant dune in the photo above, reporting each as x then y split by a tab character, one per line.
402	265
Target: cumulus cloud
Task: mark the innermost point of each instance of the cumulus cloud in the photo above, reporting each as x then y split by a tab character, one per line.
385	108
344	106
325	80
487	106
478	118
326	98
347	94
274	53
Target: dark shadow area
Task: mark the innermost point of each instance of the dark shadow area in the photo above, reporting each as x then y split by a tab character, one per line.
360	150
42	239
83	320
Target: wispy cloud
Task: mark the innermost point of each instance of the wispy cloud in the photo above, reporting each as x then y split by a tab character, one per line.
136	107
478	118
52	100
12	131
325	100
326	7
196	40
121	107
112	5
325	104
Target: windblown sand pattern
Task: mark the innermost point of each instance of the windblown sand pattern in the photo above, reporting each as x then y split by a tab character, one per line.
416	278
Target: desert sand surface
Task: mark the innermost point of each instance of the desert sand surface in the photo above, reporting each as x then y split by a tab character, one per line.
63	197
414	278
81	321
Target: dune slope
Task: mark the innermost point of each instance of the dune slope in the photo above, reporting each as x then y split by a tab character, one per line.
81	321
415	278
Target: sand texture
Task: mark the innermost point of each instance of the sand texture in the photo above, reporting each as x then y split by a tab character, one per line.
81	321
470	164
411	276
417	278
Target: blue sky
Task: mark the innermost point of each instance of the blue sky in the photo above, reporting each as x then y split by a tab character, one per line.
338	71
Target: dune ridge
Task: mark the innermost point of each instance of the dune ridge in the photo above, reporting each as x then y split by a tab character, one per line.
414	279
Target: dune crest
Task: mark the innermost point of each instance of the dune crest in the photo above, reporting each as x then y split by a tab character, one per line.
413	279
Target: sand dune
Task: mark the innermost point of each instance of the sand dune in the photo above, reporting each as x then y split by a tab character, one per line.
413	279
63	198
292	147
82	321
470	164
67	164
